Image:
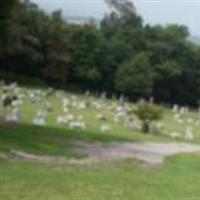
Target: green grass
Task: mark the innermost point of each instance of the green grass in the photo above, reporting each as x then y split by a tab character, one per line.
178	178
118	130
55	141
28	111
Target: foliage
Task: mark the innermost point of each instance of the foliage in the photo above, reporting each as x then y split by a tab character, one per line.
148	112
22	80
6	8
86	58
120	55
135	77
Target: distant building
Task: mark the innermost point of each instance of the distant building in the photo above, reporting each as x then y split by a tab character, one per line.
82	21
77	22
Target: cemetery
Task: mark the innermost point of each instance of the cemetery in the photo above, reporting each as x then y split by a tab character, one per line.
61	131
99	100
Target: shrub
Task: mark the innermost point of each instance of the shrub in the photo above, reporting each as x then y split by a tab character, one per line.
147	113
22	79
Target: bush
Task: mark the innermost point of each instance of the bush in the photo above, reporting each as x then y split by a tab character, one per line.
147	113
22	79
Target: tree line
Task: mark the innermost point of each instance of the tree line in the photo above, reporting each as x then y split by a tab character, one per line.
120	55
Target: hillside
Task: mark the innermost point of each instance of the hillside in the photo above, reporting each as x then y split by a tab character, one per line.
49	134
68	116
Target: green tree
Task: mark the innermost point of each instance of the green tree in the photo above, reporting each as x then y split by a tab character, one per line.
166	45
123	31
135	77
38	45
6	11
87	56
124	7
55	47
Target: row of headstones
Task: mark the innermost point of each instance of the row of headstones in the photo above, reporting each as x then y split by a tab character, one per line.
38	95
180	116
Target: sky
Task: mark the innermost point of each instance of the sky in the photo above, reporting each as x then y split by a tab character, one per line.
164	12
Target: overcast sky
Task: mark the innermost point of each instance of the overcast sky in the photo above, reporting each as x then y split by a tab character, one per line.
153	11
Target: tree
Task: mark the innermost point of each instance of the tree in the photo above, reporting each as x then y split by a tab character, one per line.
23	46
87	56
6	9
135	77
38	45
120	55
186	89
6	22
124	7
166	45
55	47
123	31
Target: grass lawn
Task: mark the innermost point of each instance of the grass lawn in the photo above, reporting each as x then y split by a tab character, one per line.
117	129
54	141
178	178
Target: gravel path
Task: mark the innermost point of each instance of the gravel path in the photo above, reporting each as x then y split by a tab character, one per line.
149	153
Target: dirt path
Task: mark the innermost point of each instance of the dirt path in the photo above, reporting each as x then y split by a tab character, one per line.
149	153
